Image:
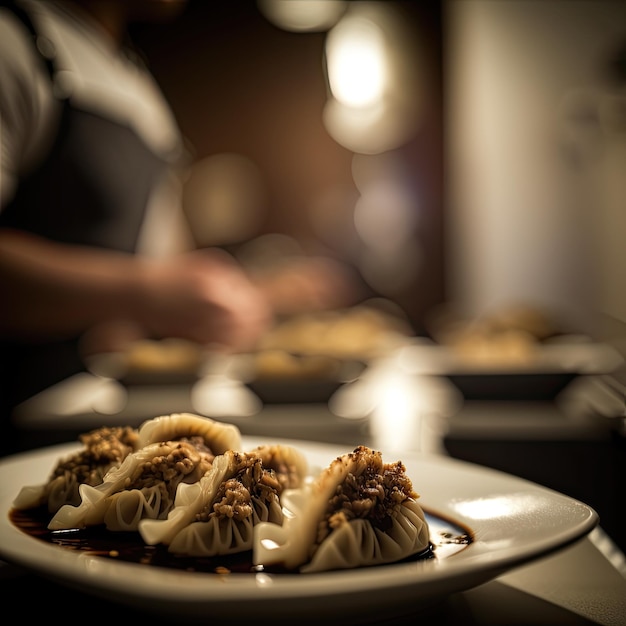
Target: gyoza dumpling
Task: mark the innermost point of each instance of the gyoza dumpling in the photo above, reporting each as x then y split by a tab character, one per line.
288	464
144	485
104	448
217	515
360	511
218	436
172	449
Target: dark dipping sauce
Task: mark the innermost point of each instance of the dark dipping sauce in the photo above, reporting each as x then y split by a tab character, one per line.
447	538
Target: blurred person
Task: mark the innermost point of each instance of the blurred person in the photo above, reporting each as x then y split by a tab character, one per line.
88	141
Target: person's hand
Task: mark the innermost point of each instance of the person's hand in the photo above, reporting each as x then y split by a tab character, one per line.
60	290
307	284
203	296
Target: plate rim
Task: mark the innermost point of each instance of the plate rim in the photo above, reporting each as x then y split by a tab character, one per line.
472	566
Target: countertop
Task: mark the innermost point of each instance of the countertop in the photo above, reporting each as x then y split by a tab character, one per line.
584	583
578	585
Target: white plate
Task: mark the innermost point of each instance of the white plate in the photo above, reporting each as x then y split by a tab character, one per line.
512	521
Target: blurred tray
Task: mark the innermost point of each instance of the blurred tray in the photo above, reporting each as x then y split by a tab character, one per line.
294	392
278	377
530	386
152	362
540	377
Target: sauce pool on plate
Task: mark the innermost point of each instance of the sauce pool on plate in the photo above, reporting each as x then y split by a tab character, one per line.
446	539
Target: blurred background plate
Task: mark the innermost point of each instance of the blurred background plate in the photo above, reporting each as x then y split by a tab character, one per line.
538	374
169	361
280	377
529	386
294	392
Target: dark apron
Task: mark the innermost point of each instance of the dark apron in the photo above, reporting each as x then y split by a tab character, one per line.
91	189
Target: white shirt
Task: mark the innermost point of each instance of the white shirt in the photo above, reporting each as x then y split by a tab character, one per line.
91	70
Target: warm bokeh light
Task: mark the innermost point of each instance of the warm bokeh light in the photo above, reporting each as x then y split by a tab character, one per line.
302	15
377	227
221	396
224	200
384	216
84	394
386	219
356	61
373	74
406	411
497	506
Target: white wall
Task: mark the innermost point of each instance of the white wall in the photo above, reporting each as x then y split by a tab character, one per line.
524	225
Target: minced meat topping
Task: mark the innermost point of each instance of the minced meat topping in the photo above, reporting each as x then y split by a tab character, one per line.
250	481
175	462
374	491
104	448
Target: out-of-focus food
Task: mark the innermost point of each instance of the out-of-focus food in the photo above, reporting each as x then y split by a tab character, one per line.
143	361
149	360
163	355
535	322
360	332
308	356
507	335
274	363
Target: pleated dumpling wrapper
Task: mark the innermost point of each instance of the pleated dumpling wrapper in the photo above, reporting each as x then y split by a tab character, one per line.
359	511
176	449
219	436
217	515
103	449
